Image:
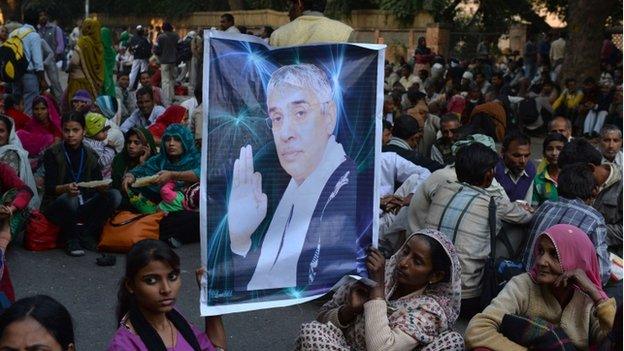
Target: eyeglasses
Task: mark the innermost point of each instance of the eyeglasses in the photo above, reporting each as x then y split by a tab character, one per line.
298	115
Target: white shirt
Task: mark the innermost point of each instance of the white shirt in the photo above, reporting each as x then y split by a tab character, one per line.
136	120
232	29
409	81
616	160
284	240
395	168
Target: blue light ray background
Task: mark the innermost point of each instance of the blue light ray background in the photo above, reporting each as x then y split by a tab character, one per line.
239	74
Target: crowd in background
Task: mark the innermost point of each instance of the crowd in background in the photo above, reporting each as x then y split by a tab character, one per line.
458	183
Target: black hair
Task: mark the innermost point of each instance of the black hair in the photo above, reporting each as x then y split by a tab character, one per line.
569	80
10	101
589	80
499	75
31	16
314	5
74	116
576	181
228	17
145	91
473	161
415	95
139	256
579	150
485	123
7	121
386	124
517	136
439	258
167	27
48	312
553	137
449	117
144	72
405	127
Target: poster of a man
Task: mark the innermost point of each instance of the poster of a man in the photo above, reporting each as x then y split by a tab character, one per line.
289	151
301	240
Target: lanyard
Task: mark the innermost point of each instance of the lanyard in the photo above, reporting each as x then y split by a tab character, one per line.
76	177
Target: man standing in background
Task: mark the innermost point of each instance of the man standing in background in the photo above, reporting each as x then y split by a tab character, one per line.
226	24
141	48
167	52
309	25
33	82
52	34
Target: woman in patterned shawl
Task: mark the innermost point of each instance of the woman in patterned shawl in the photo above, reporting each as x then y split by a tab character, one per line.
413	306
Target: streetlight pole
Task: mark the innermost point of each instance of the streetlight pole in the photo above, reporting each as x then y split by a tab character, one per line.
86	8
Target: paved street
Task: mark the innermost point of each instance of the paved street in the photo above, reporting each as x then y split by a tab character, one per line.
90	294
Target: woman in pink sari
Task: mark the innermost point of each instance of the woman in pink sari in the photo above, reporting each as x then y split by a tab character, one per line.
44	129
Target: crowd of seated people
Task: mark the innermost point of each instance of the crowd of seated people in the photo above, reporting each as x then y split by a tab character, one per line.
457	166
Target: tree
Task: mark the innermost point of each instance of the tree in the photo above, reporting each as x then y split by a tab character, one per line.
236	4
11	10
586	21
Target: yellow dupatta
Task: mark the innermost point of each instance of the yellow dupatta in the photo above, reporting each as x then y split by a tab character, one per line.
90	50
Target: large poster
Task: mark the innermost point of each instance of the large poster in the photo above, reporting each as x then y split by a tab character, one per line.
289	153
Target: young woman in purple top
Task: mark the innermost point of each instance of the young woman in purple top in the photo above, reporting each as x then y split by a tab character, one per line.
146	300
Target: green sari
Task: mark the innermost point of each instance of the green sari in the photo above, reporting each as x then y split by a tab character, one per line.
108	86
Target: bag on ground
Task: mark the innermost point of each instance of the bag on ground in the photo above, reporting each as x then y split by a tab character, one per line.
126	229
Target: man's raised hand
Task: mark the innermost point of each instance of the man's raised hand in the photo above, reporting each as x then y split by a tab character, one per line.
247	205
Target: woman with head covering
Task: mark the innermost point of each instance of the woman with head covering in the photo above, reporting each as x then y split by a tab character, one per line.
173	114
44	129
108	85
413	306
559	301
13	154
139	148
178	163
86	67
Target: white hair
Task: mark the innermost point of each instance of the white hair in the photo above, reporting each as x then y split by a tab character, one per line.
610	128
304	76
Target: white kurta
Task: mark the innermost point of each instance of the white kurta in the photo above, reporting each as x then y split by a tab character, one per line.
283	242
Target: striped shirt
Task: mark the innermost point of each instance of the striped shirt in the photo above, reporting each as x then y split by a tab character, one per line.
577	213
460	211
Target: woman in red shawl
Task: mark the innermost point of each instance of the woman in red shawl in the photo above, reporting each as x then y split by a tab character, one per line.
173	114
44	129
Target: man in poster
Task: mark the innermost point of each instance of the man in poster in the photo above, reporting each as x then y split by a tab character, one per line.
311	240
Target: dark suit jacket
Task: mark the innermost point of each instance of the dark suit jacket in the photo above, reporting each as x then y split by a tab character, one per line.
331	245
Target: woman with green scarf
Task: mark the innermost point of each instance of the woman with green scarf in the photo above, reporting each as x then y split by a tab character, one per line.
86	67
108	87
139	148
175	167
